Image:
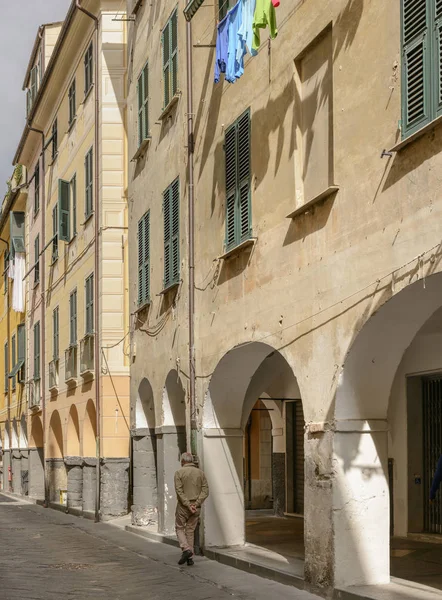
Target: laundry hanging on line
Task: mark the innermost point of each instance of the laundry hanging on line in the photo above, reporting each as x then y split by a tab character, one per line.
239	33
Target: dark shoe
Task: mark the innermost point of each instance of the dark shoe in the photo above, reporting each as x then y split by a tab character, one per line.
185	557
190	562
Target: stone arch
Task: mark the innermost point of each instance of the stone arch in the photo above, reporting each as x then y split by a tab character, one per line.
90	430
174	400
239	379
23	432
73	433
145	406
55	436
360	442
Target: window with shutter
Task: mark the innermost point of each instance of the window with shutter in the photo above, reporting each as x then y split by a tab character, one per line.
55	334
21	352
6	269
421	63
55	233
171	206
13	362
88	63
6	386
89	305
73	318
170	58
17	232
238	175
73	196
89	186
144	259
143	105
37	188
64	224
72	102
37	351
37	259
54	139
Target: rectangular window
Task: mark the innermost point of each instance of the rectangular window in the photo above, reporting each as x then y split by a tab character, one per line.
72	103
21	352
37	188
55	334
238	196
143	105
37	259
170	58
13	362
6	367
55	233
64	212
73	318
89	285
89	185
37	351
73	195
144	259
17	229
88	64
171	208
223	7
5	272
421	63
54	139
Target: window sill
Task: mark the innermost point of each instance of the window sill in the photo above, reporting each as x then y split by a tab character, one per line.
87	218
142	307
142	148
239	248
88	93
71	381
71	125
332	189
417	134
169	107
73	238
36	284
169	288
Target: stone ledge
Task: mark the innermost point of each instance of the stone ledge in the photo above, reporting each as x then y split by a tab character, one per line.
152	535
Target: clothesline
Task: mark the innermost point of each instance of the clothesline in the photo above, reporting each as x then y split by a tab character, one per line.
239	32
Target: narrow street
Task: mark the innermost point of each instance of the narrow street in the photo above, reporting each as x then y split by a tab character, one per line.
48	555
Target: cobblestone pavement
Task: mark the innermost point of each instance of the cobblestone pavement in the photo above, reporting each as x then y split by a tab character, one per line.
49	555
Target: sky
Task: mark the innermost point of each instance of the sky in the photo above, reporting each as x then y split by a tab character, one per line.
18	27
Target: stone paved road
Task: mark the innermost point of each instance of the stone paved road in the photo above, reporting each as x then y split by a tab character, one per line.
49	555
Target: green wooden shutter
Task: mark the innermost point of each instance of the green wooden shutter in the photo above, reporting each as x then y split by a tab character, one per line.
144	259
244	221
21	350
14	358
37	259
231	160
55	233
90	304
88	79
174	53
167	236
73	318
88	168
6	269
416	99
37	351
64	217
72	102
54	139
166	63
175	233
74	204
37	188
55	334
6	366
143	100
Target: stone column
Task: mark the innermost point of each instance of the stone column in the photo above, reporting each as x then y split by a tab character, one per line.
74	468
6	465
114	491
89	483
56	474
145	485
171	443
36	473
278	472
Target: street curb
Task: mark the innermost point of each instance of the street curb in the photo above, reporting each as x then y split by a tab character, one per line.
153	536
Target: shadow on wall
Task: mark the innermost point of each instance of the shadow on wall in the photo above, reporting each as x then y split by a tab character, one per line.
73	433
174	400
90	430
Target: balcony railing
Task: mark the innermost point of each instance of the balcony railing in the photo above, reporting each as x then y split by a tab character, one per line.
87	355
34	395
71	364
53	374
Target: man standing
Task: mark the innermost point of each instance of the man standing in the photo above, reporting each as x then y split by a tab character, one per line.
436	480
191	490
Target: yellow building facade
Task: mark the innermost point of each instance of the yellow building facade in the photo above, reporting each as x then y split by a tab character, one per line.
76	269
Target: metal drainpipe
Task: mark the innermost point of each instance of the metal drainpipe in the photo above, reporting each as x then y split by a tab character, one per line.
43	304
8	333
97	349
190	151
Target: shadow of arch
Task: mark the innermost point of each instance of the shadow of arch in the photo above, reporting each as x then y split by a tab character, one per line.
6	437
14	441
73	433
174	400
90	430
145	407
36	440
360	489
23	432
55	437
